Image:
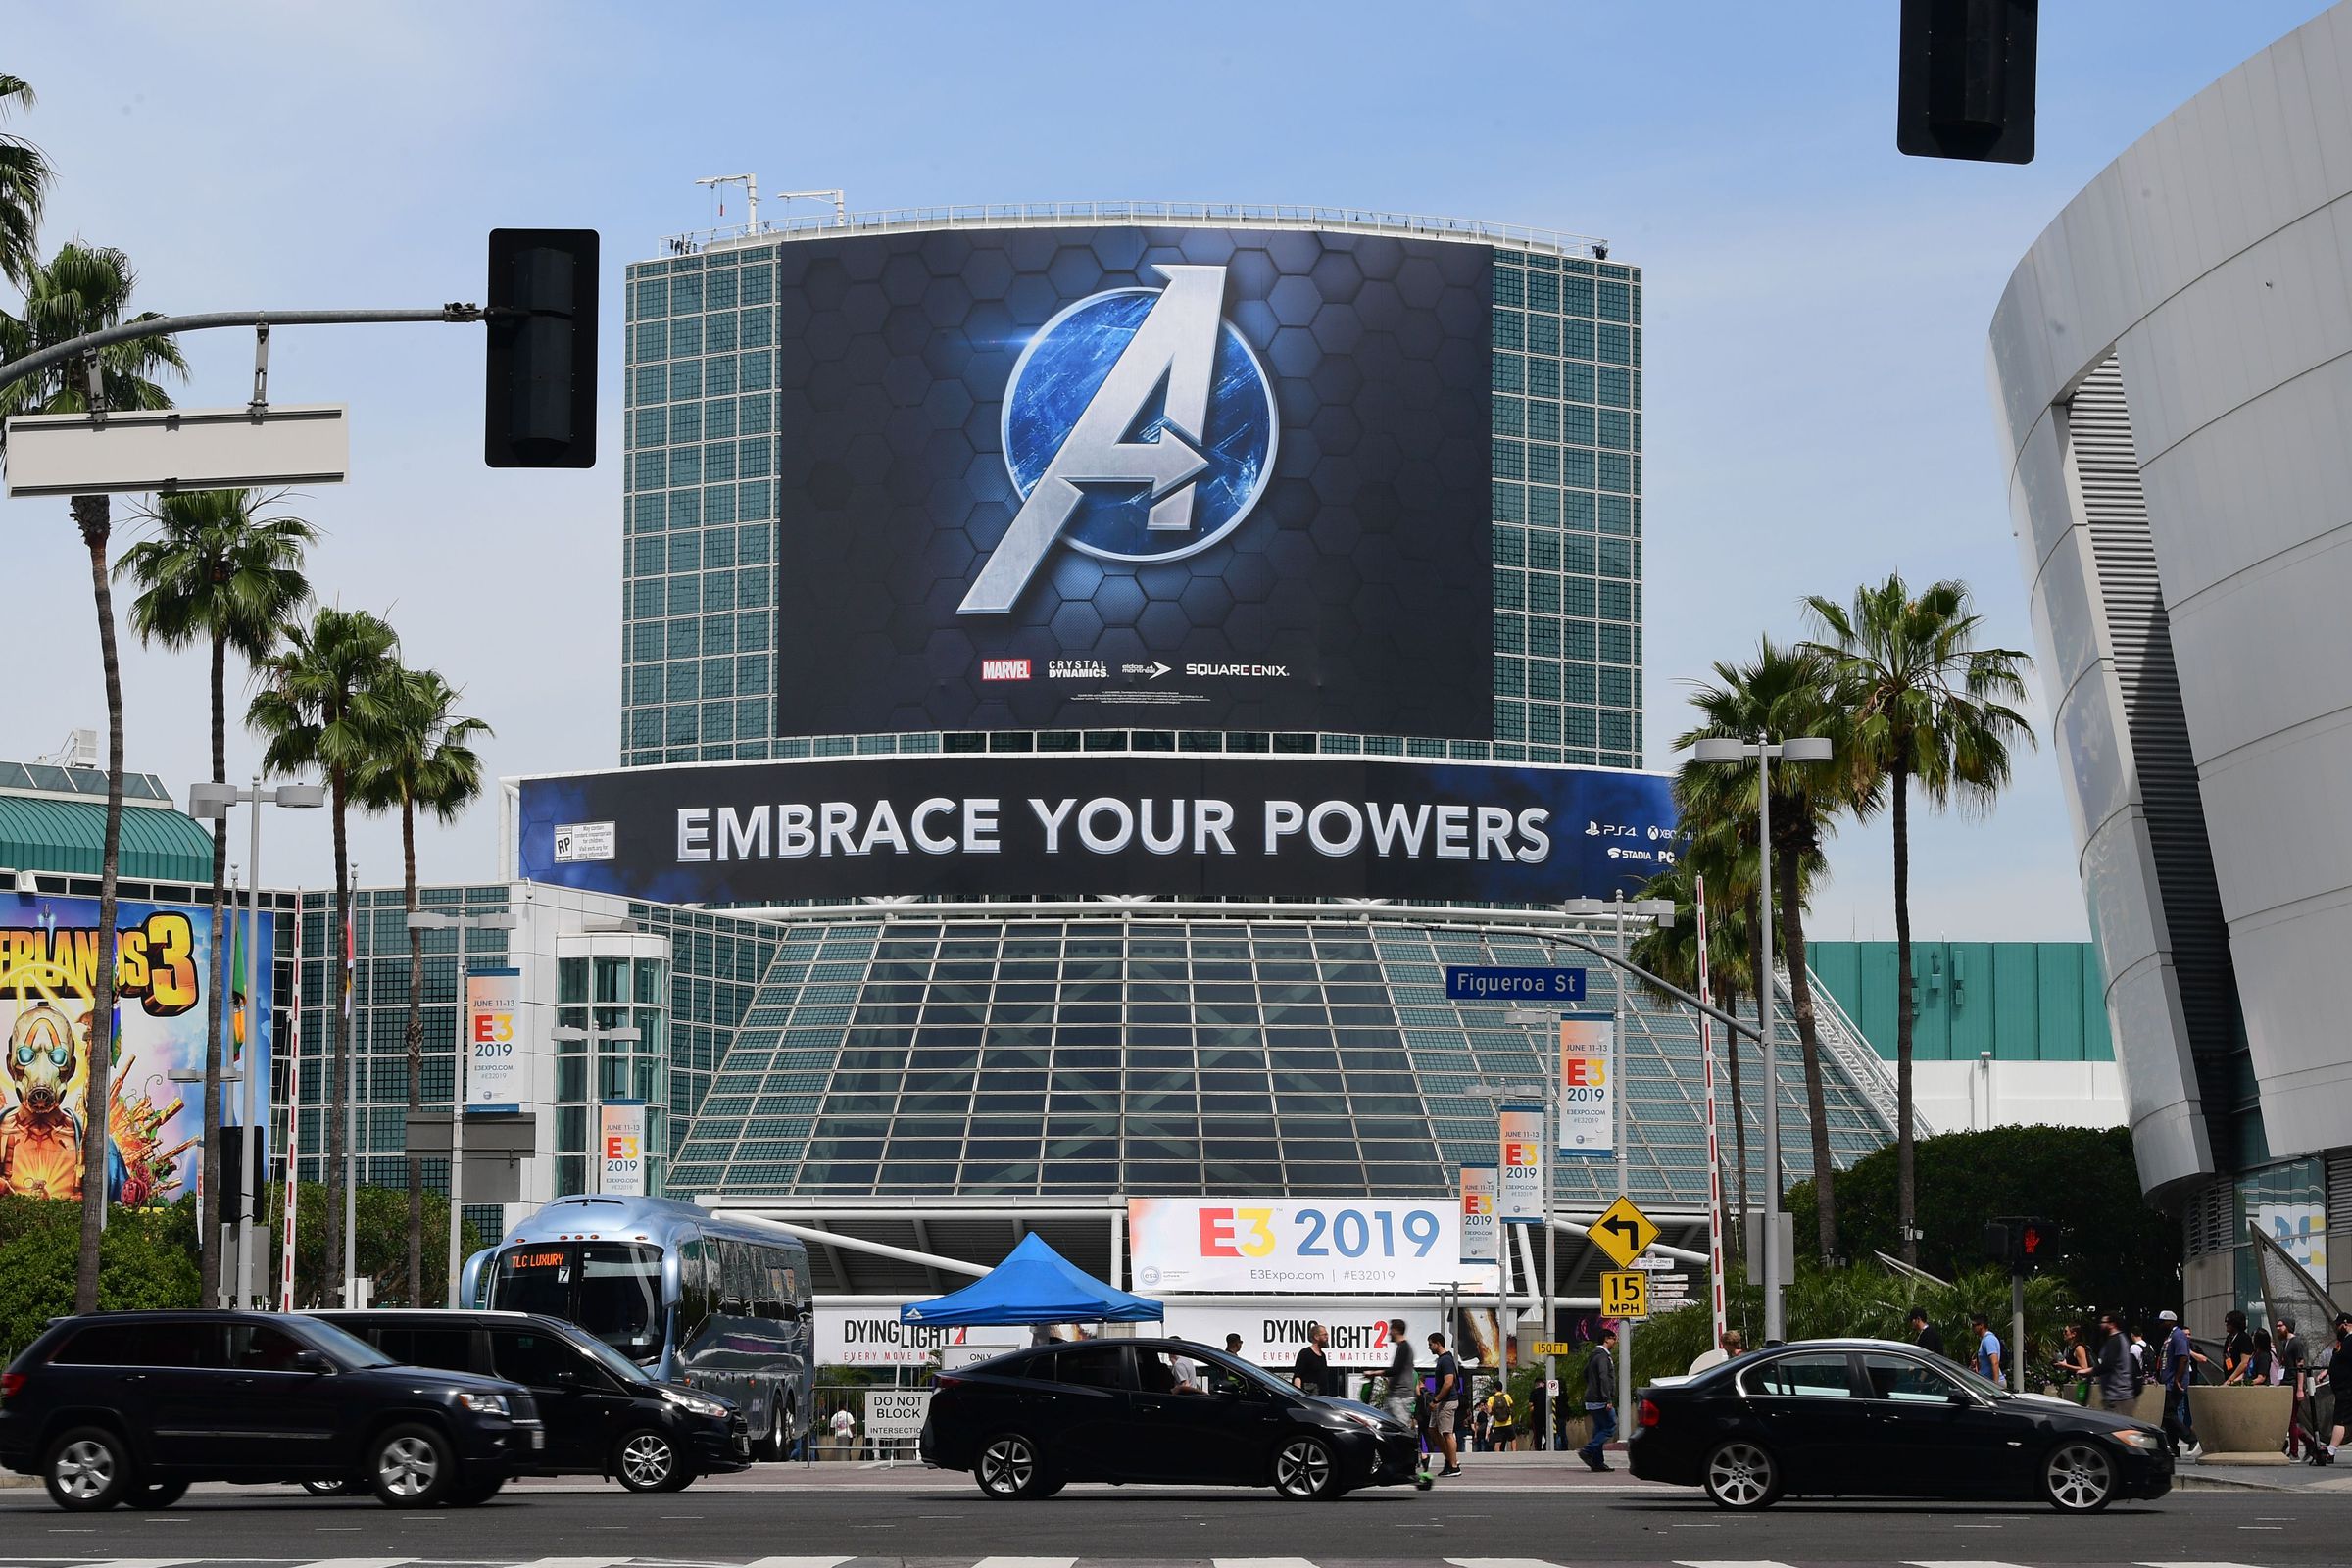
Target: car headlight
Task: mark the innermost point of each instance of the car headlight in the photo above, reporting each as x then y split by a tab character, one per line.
2141	1437
694	1403
1370	1423
482	1403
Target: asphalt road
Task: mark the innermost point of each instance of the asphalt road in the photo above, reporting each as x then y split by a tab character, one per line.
948	1524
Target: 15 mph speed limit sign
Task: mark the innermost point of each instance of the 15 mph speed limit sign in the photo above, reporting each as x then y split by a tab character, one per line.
1624	1292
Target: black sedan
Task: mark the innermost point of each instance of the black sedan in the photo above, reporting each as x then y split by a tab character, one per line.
1155	1410
1868	1418
604	1415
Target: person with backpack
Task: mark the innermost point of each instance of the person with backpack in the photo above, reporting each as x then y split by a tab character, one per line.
2113	1371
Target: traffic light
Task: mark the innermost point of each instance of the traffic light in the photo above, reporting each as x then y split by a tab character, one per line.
230	1205
2020	1246
539	397
1966	82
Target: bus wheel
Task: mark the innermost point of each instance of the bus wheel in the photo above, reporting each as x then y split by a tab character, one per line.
775	1446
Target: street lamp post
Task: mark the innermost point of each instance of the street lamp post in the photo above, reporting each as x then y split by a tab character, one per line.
591	1035
1731	750
213	800
434	921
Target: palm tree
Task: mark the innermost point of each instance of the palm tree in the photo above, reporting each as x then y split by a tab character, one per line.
1926	703
1670	953
1782	692
319	706
217	572
85	289
424	758
24	189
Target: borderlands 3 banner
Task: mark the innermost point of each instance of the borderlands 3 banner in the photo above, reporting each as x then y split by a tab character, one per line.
165	966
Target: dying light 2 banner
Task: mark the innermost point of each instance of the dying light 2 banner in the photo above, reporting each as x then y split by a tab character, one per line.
166	965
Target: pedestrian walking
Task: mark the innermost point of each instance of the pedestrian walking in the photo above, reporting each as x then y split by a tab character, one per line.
1600	1399
2178	1365
2237	1346
1733	1344
1310	1372
2302	1443
2263	1369
2341	1415
2117	1378
1503	1420
1233	1344
1988	1347
2073	1363
1399	1395
1481	1424
1538	1415
1923	1334
1447	1403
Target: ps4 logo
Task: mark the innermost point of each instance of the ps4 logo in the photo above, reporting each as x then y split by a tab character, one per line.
1138	426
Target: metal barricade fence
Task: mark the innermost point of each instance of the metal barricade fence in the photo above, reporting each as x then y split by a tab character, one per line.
827	1445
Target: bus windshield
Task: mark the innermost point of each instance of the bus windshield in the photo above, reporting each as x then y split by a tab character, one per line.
610	1288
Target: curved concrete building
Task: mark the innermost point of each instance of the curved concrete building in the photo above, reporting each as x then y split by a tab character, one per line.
2171	369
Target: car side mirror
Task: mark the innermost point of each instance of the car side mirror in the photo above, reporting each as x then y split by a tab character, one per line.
310	1361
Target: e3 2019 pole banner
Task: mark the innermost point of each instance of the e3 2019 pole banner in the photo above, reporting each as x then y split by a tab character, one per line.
1199	826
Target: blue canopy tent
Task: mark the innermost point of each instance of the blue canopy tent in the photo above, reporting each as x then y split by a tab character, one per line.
1034	1284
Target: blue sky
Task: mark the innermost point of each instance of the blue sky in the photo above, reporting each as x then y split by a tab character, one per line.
1816	405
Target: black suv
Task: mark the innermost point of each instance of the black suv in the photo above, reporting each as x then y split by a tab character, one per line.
132	1407
604	1415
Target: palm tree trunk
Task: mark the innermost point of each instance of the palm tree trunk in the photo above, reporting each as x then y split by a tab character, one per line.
208	1269
94	514
416	1043
1800	996
338	1092
1905	1178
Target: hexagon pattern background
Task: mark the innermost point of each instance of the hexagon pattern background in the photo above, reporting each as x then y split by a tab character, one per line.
1364	569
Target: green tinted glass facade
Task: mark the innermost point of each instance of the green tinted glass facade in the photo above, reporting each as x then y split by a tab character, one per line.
2021	1001
700	509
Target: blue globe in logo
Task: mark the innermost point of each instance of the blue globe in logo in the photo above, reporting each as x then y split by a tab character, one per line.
1058	375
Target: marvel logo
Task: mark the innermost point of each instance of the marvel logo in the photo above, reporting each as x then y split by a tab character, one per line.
1004	670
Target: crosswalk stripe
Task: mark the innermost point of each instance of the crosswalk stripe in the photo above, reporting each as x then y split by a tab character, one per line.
1026	1562
1501	1562
2195	1565
796	1562
358	1562
1718	1563
1263	1562
1967	1562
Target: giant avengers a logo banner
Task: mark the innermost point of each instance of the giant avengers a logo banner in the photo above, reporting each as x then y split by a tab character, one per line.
1133	477
1198	826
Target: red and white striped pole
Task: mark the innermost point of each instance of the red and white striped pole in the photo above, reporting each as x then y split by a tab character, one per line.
1706	1047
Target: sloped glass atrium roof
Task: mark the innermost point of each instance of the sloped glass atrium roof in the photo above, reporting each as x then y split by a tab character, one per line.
1280	1057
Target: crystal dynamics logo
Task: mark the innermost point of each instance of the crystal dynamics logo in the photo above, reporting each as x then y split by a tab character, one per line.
1138	425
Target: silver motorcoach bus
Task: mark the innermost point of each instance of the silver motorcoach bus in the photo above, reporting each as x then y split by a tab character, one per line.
691	1296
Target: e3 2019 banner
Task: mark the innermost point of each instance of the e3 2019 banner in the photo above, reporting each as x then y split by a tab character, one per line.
747	833
1205	478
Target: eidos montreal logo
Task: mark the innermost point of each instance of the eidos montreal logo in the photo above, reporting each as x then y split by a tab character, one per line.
1138	426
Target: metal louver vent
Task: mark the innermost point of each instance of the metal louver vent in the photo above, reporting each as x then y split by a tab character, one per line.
2106	472
2209	1225
2339	1190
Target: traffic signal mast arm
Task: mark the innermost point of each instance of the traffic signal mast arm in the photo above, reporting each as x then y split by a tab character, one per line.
171	325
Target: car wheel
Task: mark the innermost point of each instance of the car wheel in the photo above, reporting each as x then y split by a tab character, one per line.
1740	1474
330	1489
1304	1468
2079	1477
1010	1467
412	1466
647	1461
87	1469
156	1494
